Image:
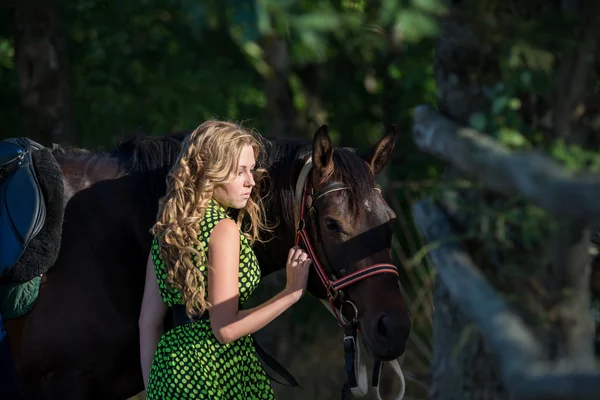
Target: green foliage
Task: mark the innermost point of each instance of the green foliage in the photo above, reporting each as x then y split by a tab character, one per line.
162	65
574	157
7	53
347	45
504	120
524	55
10	101
528	56
157	67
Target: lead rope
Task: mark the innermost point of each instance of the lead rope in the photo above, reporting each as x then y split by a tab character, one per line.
346	391
360	368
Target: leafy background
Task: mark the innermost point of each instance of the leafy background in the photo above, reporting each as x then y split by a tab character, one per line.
159	66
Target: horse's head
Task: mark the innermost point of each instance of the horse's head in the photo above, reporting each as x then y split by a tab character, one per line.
349	226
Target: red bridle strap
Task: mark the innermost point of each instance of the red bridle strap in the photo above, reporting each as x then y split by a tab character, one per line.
333	287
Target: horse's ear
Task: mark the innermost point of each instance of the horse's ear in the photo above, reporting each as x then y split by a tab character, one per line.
380	155
322	156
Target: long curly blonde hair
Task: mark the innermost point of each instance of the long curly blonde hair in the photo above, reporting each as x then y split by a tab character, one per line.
209	157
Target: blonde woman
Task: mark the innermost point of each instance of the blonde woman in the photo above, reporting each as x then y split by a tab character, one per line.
202	266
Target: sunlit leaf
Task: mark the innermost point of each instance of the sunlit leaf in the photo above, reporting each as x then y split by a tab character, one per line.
353	5
7	53
512	138
525	55
430	6
499	104
319	21
415	25
478	121
262	17
389	9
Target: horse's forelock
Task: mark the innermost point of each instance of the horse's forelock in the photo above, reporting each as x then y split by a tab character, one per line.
350	169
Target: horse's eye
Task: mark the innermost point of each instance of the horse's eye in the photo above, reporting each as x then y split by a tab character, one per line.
332	225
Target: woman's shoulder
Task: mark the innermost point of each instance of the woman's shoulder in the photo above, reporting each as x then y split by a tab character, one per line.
218	224
224	238
225	229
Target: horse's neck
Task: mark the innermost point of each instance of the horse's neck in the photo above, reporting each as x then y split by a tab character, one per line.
273	254
279	208
82	170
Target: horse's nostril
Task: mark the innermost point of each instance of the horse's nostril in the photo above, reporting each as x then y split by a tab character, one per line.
382	326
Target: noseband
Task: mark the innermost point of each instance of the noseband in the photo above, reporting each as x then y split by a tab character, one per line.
303	200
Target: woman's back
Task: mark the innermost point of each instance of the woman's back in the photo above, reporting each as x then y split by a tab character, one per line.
190	362
201	262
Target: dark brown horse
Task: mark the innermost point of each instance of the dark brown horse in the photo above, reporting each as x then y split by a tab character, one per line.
80	341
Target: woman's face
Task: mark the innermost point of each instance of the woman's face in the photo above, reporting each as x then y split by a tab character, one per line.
236	194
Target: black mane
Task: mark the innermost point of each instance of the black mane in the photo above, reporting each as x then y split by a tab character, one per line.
148	159
285	158
147	153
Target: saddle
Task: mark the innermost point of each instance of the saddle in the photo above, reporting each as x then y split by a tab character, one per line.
22	206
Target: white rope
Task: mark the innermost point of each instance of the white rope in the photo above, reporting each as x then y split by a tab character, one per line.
396	367
361	368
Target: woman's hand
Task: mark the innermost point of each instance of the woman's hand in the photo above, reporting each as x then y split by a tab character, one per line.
297	269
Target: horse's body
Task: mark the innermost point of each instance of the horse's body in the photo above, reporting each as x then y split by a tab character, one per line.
88	299
80	341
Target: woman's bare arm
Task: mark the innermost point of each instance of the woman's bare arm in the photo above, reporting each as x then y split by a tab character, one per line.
151	320
228	322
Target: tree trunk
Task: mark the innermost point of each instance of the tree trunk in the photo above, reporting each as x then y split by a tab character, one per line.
465	366
42	66
462	366
280	107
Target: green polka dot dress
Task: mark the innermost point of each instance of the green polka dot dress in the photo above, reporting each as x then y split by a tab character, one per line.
189	362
